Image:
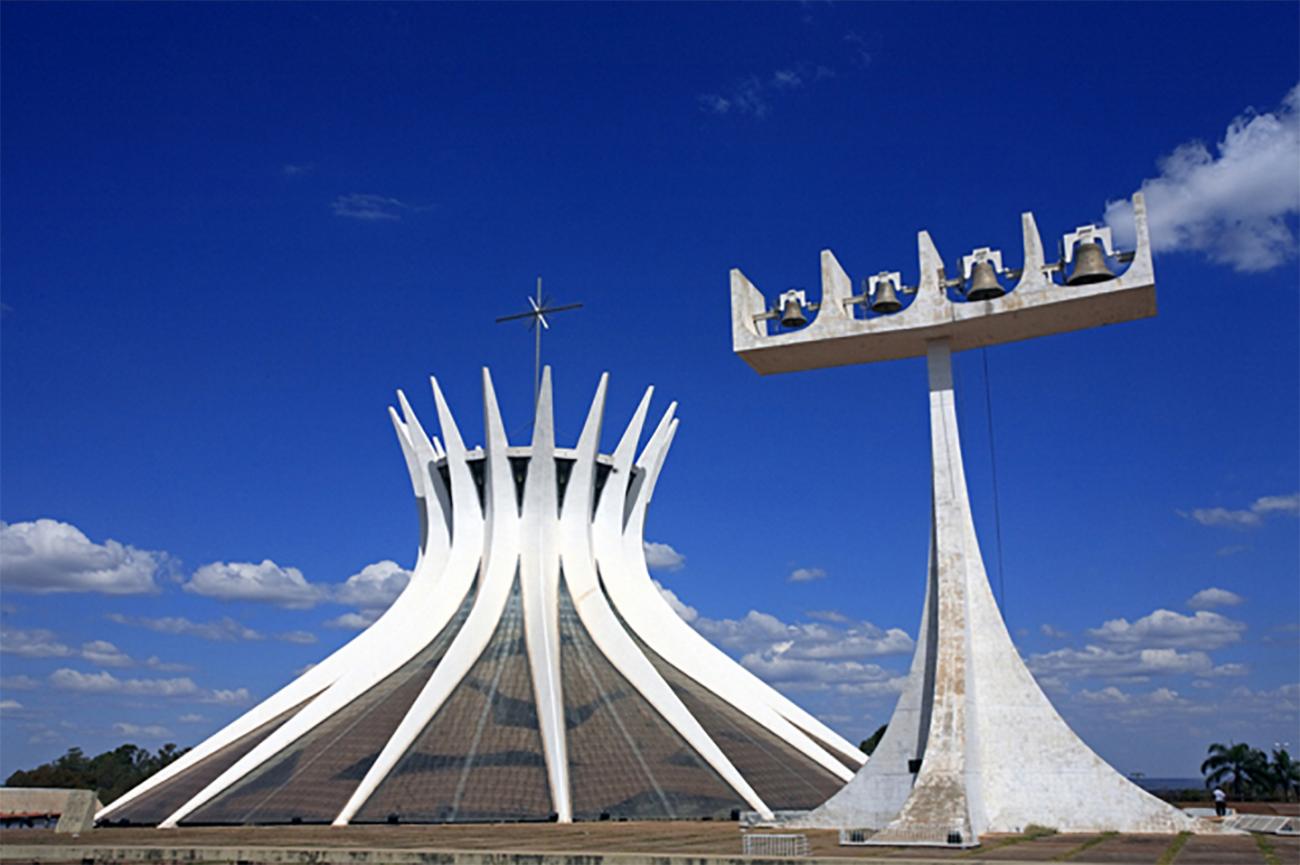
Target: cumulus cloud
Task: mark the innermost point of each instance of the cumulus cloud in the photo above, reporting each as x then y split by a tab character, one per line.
1167	629
1052	631
246	581
373	208
354	621
302	638
680	607
1234	206
1104	663
1246	517
1213	597
46	556
32	643
662	557
151	731
221	630
10	705
806	575
819	641
222	696
105	682
18	683
376	585
105	654
191	718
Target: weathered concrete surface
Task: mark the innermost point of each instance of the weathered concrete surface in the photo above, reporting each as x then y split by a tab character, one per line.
78	813
996	756
70	805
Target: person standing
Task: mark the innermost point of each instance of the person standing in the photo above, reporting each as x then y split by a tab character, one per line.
1220	801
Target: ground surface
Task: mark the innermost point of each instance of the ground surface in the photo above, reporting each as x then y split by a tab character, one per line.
700	841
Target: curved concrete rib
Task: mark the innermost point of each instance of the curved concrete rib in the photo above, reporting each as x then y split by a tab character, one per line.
391	641
540	585
654	622
501	560
604	628
679	643
320	677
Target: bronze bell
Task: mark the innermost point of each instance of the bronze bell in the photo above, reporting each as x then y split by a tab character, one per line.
984	282
885	299
1089	265
792	313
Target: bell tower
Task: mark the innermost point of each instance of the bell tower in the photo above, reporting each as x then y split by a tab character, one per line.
974	745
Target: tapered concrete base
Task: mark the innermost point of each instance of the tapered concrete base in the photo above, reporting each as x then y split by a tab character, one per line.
974	746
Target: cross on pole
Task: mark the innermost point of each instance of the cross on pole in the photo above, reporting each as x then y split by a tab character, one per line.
537	324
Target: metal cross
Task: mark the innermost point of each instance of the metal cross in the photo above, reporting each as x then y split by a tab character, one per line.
538	315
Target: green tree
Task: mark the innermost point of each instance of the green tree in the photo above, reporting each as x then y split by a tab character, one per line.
1284	774
1237	764
109	774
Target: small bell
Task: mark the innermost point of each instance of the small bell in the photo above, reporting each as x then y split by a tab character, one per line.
792	312
1089	265
984	282
884	298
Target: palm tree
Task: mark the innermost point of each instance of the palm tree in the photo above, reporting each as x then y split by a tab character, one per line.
1240	764
1284	773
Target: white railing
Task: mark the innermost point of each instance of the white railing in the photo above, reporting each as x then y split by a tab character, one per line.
1264	823
771	844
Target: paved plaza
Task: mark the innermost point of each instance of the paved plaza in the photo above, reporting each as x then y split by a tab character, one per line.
646	843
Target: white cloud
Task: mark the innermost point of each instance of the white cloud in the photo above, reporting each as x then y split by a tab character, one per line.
1213	597
354	621
1052	631
1109	694
832	616
1246	517
1167	629
223	629
297	169
373	208
10	705
302	638
246	581
105	654
153	662
1103	663
680	607
761	632
18	683
1234	208
47	556
1224	670
106	683
191	718
662	557
752	96
806	575
223	696
152	731
376	585
33	643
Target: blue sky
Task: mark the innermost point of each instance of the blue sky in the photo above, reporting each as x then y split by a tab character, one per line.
231	231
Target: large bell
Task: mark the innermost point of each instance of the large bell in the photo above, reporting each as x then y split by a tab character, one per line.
885	299
792	313
1089	265
984	282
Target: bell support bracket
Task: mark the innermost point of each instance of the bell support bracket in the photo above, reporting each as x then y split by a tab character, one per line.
1037	305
